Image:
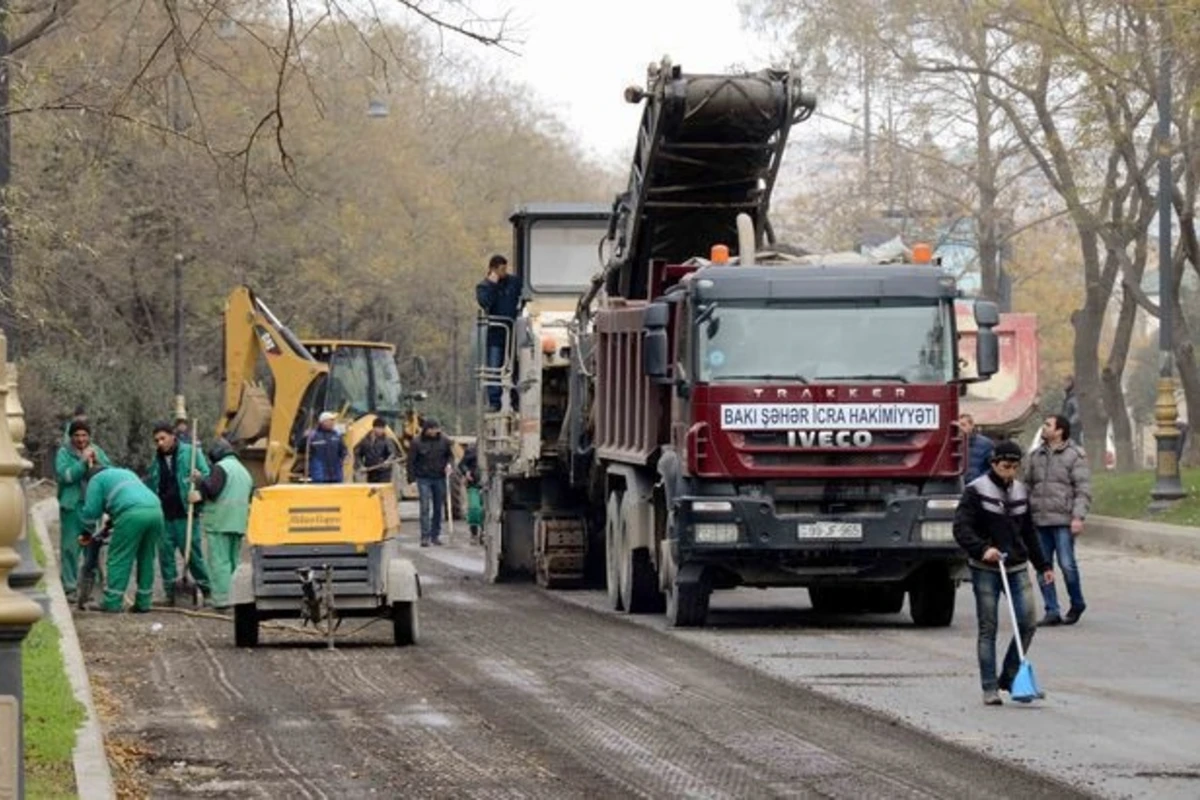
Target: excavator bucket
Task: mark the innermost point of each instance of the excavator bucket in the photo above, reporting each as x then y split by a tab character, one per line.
1006	401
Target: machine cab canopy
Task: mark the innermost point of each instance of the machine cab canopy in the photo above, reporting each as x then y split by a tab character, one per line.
556	247
363	378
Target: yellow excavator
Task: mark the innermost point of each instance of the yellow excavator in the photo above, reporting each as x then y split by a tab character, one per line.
319	552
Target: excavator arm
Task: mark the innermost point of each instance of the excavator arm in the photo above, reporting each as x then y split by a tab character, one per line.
708	149
250	413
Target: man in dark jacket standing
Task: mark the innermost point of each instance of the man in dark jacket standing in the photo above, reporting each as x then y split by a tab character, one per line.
376	453
326	451
499	297
979	448
993	518
1070	408
1060	491
170	478
430	462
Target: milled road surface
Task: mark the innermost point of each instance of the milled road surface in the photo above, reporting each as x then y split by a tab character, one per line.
511	693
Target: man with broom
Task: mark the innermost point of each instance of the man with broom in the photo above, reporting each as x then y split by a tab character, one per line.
994	524
171	479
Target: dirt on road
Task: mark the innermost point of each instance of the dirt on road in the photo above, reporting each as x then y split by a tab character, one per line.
509	694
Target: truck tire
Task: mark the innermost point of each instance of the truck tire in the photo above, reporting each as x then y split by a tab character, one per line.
612	551
639	592
687	603
245	625
406	626
931	600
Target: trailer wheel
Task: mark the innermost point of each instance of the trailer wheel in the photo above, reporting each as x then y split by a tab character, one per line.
687	603
406	626
931	600
612	551
245	625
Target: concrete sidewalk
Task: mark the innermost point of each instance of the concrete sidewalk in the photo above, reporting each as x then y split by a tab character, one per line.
1178	542
93	778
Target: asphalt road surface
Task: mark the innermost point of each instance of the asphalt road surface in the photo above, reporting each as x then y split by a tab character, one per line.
511	693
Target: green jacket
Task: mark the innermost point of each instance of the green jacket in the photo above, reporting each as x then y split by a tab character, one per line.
69	471
115	491
229	512
183	478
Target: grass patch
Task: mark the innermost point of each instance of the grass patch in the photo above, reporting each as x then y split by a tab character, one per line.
1126	496
52	714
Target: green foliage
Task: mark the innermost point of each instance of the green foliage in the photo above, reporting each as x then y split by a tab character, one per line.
52	714
123	399
1126	496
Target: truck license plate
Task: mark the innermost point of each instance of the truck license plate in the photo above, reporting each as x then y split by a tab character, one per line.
830	530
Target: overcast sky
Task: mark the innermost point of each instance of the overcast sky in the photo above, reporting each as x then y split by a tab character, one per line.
579	55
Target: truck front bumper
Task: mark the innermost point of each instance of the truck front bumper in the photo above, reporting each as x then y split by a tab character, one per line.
744	537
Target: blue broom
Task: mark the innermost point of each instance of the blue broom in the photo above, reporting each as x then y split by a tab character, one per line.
1025	687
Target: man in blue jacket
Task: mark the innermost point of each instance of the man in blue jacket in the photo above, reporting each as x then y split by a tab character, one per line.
499	297
979	449
326	451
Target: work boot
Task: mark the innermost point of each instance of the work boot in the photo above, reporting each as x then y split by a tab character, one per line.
991	697
424	543
1074	614
1051	619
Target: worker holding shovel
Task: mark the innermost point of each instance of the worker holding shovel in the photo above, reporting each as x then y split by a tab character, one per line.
171	479
994	524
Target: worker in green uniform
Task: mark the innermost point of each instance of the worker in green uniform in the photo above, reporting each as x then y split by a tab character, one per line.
226	495
137	523
170	479
71	463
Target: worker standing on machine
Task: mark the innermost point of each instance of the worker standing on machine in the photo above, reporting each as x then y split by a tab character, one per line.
137	526
226	492
499	297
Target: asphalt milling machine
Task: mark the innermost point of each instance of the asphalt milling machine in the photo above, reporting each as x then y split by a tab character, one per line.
688	405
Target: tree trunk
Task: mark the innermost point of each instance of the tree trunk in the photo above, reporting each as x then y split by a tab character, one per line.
1088	323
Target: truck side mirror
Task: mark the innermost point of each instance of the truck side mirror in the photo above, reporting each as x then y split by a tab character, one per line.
987	353
655	361
987	314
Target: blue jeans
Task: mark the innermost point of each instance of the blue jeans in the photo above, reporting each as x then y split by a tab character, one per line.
432	493
1057	540
987	587
495	360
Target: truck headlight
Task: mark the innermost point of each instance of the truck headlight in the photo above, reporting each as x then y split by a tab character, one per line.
942	504
712	505
716	532
937	531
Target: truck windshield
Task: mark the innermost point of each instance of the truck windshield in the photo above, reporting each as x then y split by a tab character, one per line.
387	383
362	380
902	342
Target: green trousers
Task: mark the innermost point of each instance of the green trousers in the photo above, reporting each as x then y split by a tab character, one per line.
70	527
174	540
224	553
135	537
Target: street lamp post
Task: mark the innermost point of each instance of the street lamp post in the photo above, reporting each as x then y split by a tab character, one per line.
1167	486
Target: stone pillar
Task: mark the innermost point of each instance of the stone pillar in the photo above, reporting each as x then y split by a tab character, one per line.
27	574
17	612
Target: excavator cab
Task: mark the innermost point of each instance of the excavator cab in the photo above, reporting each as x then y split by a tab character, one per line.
362	379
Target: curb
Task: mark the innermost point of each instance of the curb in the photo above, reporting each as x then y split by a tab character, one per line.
1179	542
93	778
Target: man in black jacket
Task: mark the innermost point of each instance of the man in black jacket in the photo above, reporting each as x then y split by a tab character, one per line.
430	462
994	518
499	298
375	454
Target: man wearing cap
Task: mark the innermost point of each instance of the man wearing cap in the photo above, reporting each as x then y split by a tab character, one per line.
71	465
994	518
430	462
326	451
137	524
376	453
226	492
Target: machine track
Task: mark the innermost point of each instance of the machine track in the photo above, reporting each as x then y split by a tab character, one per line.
510	694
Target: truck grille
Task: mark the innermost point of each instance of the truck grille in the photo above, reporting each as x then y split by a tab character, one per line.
775	449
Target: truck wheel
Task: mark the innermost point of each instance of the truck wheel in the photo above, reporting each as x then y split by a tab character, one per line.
885	599
687	603
245	625
931	600
406	625
612	551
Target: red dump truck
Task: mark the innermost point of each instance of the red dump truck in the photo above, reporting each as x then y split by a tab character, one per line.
735	414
